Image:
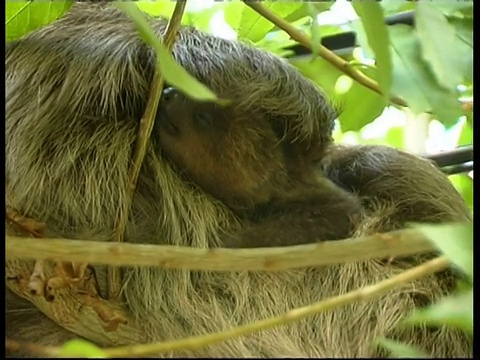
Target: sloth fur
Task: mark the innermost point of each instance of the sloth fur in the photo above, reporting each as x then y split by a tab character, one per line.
75	91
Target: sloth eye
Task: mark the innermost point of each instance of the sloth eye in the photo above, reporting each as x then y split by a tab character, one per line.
204	119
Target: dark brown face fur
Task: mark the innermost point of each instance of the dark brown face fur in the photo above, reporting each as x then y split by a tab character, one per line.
237	157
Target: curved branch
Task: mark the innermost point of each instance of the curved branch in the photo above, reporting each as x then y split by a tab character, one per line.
198	342
368	292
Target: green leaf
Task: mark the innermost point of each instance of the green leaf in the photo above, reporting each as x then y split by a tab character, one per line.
316	35
463	29
401	350
372	18
438	40
469	117
361	39
307	9
81	348
463	46
359	105
394	6
313	9
21	17
455	241
464	185
463	285
466	135
277	43
455	311
328	30
157	8
202	20
254	27
172	72
317	6
414	82
451	7
233	14
395	137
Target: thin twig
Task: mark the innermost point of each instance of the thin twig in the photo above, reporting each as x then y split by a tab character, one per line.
337	61
197	342
145	129
396	243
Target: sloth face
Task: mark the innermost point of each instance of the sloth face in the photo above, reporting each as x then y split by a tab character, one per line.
233	154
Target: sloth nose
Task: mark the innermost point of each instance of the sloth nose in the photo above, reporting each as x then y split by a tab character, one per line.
169	93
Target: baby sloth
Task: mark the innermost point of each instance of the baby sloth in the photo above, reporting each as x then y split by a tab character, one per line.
245	161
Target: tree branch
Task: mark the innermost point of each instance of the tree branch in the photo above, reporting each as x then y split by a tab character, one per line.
393	244
198	342
144	131
336	61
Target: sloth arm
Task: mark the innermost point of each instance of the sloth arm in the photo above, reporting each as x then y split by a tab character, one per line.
328	215
397	186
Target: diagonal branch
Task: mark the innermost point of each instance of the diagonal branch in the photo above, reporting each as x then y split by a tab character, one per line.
338	62
145	129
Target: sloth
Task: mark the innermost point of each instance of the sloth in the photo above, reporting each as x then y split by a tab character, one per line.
75	92
240	159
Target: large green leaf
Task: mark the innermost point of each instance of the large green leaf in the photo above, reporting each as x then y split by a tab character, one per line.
438	40
21	17
448	7
172	72
277	42
359	105
400	350
464	46
157	8
233	14
79	348
307	9
373	21
394	6
361	38
455	241
414	81
464	185
466	135
254	27
314	9
395	137
201	20
318	6
455	310
315	33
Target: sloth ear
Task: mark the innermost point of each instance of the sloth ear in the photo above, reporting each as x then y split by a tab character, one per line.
314	132
311	149
306	139
309	131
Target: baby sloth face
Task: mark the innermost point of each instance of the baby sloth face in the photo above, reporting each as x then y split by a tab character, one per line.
232	153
